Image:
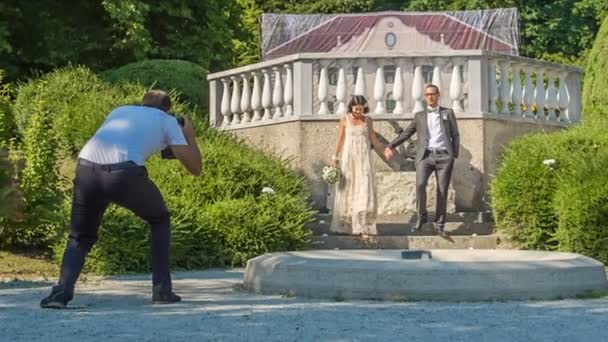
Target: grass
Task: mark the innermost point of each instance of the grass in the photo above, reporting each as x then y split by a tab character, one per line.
24	266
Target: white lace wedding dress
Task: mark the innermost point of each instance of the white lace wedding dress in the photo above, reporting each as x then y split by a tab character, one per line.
355	202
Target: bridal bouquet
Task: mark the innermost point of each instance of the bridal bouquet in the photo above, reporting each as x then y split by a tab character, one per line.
331	174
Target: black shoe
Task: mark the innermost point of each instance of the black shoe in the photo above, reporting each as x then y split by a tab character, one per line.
419	224
439	228
165	298
56	300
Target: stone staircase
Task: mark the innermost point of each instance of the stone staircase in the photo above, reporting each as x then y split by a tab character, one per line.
464	231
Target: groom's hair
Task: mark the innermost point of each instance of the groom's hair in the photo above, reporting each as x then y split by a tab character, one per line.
358	100
431	85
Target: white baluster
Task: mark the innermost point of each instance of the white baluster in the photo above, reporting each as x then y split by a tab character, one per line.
551	97
379	84
398	91
288	94
225	108
277	94
516	90
256	98
266	96
504	88
246	99
341	91
360	82
456	89
437	66
235	103
417	90
528	93
563	98
323	93
540	95
493	86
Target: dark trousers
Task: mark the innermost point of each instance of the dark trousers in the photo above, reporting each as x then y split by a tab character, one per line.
125	184
441	164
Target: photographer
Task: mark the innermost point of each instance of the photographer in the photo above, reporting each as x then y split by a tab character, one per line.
111	170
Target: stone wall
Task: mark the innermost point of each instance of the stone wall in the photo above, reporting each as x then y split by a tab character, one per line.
310	144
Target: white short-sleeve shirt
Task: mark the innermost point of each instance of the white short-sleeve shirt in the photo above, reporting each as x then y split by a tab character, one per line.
132	133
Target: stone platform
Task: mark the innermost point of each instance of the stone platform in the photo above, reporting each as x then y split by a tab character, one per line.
448	275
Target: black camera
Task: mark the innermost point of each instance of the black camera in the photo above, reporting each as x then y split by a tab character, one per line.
167	152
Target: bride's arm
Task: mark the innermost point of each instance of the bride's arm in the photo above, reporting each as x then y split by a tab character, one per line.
379	146
339	143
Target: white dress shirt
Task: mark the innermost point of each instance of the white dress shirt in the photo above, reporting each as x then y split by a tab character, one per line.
436	137
132	133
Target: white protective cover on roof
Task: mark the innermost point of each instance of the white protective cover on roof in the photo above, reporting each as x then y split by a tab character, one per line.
493	30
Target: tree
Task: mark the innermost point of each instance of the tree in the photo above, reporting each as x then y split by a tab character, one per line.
595	92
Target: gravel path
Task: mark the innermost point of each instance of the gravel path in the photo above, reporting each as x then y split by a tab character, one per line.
216	309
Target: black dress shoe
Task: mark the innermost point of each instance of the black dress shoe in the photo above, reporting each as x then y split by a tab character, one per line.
419	224
439	228
165	298
56	300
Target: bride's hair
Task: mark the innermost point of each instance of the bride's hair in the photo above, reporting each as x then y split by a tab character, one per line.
358	100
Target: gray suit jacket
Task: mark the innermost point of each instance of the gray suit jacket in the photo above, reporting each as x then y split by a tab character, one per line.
419	125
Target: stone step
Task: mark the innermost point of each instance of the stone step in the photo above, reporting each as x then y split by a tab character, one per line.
453	228
458	224
404	242
477	217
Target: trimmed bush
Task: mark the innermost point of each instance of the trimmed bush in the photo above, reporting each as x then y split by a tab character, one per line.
188	79
595	90
77	101
221	218
522	191
582	203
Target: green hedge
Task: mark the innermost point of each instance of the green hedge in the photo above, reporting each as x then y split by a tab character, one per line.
523	188
77	101
595	90
220	218
564	207
582	203
543	207
187	78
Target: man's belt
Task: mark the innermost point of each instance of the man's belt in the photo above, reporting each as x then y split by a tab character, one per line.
108	167
437	151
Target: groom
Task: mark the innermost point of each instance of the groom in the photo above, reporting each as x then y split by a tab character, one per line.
438	143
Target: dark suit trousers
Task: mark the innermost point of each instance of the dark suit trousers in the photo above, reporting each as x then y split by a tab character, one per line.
125	184
441	165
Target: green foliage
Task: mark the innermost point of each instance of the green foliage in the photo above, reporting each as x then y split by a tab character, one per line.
595	91
8	129
76	101
545	207
37	181
582	203
187	78
220	218
522	190
251	226
44	35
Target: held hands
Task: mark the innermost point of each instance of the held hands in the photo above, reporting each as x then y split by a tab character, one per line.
388	153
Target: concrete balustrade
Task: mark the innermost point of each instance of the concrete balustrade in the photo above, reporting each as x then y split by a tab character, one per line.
291	105
480	83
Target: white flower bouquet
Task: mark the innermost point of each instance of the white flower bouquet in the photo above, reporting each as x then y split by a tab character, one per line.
331	174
